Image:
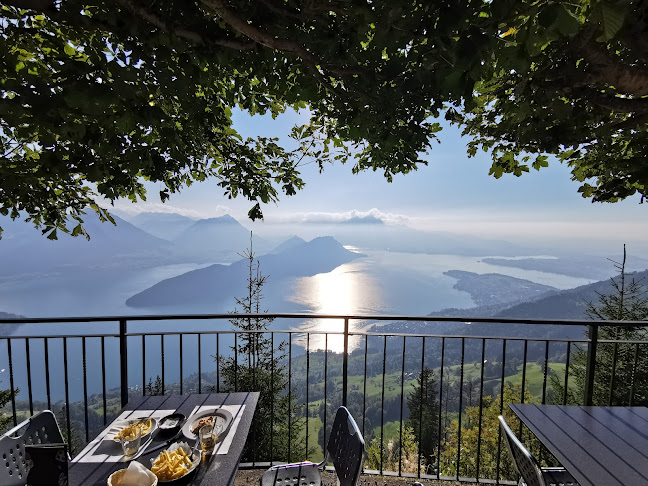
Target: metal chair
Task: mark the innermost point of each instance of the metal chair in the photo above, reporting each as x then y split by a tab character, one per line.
527	467
345	448
41	428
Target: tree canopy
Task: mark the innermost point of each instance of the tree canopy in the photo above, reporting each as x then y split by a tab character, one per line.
99	96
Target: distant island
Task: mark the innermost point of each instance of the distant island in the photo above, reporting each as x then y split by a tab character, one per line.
296	258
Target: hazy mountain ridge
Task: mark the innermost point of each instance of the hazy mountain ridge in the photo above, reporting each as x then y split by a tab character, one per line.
8	329
289	244
220	282
575	266
369	219
400	238
24	250
217	239
163	225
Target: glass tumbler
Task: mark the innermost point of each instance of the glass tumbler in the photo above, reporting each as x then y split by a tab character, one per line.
207	437
130	441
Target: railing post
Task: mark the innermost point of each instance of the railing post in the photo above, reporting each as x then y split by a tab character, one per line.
591	364
123	362
345	363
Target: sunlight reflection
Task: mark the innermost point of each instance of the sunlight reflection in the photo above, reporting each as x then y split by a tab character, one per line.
344	291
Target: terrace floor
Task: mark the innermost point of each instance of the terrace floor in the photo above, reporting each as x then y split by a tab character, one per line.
250	477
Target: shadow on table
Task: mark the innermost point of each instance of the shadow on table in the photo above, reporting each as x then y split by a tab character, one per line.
208	467
109	448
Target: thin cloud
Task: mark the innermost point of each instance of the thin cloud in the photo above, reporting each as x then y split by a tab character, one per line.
156	207
323	217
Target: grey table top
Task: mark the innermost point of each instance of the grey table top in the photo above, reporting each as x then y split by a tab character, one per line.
599	446
217	470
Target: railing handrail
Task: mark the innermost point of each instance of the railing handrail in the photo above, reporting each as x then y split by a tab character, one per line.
293	315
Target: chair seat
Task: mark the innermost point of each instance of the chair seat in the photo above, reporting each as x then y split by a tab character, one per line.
301	474
557	476
345	448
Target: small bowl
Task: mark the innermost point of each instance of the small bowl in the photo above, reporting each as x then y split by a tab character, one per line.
170	424
116	478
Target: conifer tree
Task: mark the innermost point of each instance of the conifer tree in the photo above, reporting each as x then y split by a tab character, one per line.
5	398
621	372
156	388
423	418
258	364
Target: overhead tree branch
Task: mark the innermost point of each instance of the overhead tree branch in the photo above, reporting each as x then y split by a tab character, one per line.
295	14
605	68
242	26
39	5
154	19
274	42
632	123
616	104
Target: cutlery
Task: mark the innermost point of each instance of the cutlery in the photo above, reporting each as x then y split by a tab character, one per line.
196	444
166	443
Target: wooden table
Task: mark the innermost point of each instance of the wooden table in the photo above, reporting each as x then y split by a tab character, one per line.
91	467
599	446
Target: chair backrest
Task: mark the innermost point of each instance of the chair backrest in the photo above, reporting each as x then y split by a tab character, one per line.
522	459
41	428
302	474
346	448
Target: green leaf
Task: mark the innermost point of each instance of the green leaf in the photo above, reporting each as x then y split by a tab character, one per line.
566	22
540	161
52	235
611	19
78	230
69	50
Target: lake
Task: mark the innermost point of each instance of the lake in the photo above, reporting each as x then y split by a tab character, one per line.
383	282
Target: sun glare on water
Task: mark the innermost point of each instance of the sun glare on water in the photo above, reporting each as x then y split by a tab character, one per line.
344	291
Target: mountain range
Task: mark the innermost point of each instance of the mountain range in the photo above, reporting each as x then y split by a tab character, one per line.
24	250
584	266
220	239
167	226
30	259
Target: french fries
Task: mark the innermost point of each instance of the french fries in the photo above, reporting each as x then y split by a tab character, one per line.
171	465
130	430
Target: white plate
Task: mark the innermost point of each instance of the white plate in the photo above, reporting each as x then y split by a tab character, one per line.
114	430
223	420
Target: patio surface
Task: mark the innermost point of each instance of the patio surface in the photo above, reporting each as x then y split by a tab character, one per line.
250	477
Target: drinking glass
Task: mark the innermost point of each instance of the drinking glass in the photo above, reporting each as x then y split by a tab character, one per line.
130	441
207	437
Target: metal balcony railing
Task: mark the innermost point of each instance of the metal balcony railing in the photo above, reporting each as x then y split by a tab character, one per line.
423	399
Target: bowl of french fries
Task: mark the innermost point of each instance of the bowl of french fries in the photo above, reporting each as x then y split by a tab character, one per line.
175	464
127	427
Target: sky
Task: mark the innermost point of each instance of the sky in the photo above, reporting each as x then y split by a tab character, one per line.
453	193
